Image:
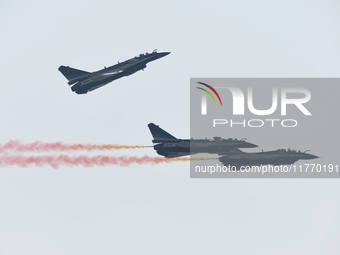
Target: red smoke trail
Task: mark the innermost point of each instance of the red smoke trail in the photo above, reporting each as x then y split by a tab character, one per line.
38	146
86	161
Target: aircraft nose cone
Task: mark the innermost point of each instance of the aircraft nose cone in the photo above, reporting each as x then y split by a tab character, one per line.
163	54
251	145
158	55
310	156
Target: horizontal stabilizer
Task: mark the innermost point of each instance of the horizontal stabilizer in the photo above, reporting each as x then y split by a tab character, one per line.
71	73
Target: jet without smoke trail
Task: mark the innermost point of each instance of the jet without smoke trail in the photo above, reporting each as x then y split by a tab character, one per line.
82	82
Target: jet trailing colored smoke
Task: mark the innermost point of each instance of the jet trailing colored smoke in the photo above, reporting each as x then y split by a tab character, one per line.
86	161
17	146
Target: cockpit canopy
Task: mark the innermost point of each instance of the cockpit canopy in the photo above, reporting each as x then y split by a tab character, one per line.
217	138
147	53
292	151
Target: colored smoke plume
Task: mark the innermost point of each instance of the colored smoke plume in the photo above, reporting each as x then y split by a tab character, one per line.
86	161
17	146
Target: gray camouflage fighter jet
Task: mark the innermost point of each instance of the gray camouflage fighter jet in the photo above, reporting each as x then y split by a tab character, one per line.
240	159
171	147
81	81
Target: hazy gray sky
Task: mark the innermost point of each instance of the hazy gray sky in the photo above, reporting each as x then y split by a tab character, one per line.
154	209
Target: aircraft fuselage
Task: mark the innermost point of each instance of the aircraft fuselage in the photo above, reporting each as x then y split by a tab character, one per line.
170	147
81	82
277	157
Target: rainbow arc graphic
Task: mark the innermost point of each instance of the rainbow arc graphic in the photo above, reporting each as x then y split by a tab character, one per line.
209	92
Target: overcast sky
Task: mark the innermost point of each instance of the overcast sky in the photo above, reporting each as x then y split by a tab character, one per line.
154	209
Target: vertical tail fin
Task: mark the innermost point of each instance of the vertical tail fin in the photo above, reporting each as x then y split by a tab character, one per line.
159	134
72	73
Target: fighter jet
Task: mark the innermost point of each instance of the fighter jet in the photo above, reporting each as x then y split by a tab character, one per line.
171	147
82	82
239	158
